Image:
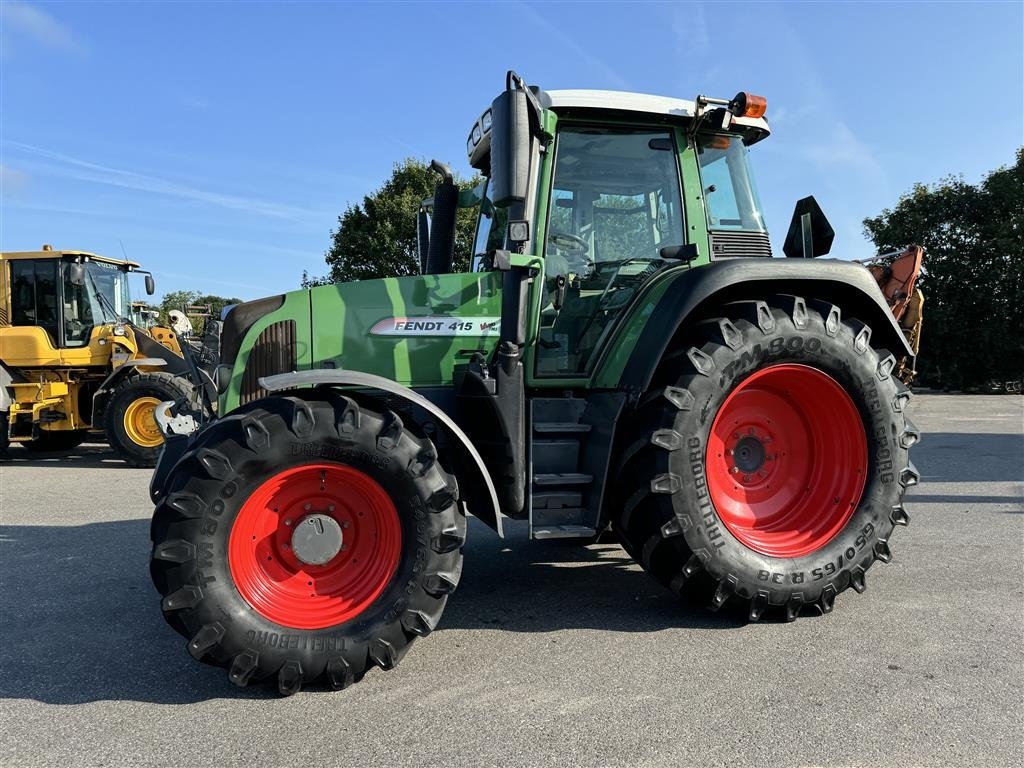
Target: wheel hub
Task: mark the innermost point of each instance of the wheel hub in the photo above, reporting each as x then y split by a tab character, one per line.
749	454
314	545
317	539
786	460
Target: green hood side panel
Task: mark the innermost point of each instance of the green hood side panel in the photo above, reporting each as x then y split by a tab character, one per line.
412	330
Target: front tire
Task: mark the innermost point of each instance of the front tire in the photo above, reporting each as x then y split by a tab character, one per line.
306	539
769	462
129	419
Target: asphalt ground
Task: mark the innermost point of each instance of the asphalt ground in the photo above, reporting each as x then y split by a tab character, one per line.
548	654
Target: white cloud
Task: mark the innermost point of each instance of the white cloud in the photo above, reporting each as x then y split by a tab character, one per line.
578	51
12	180
27	24
843	151
83	170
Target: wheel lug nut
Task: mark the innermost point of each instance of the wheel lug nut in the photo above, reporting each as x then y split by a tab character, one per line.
308	507
344	524
330	507
287	522
735	470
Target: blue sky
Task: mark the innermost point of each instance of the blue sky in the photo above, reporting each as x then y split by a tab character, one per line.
219	141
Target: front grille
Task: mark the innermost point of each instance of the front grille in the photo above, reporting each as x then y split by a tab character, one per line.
274	352
727	244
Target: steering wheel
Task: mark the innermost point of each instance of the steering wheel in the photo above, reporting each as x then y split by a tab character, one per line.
574	250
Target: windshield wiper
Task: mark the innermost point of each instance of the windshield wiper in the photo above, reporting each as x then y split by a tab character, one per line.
104	301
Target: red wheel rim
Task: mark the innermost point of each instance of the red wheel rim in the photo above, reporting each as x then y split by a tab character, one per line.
787	460
277	583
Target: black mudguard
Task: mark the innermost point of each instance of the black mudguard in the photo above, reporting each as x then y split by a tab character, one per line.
693	292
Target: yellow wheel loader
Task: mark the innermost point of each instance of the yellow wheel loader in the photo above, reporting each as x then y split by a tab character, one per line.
72	360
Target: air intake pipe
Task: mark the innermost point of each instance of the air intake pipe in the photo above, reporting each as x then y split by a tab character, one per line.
441	248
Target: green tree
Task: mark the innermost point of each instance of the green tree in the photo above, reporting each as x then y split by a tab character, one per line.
377	238
973	276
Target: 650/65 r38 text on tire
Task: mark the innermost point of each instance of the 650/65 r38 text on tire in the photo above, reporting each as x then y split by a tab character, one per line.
769	462
305	539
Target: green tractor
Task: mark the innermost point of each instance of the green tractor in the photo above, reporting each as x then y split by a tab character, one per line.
624	360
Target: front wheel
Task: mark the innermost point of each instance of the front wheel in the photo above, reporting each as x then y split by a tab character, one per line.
130	416
305	539
770	463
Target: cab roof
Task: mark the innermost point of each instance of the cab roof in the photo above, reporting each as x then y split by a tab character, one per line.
55	254
565	101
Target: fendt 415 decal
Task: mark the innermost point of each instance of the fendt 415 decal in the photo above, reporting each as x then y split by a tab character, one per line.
436	326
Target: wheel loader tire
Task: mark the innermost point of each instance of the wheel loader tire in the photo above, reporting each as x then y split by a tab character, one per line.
306	539
5	442
129	423
769	461
63	440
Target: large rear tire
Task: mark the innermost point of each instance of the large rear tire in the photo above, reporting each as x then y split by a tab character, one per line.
306	539
129	419
769	462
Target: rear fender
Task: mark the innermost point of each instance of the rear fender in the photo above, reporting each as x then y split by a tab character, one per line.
486	507
695	294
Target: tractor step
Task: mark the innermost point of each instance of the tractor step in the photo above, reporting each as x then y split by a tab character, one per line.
562	478
564	532
564	427
566	471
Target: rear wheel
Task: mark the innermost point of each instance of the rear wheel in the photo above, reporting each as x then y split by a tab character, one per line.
130	420
306	539
769	463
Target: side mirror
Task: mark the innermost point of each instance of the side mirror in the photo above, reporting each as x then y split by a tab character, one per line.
809	233
150	285
510	148
76	273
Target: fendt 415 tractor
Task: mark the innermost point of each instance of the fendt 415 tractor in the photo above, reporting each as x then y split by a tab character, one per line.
625	359
72	359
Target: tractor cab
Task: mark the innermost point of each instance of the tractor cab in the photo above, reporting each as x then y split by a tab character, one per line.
608	189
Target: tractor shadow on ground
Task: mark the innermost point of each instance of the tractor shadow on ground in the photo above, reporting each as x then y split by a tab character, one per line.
517	585
81	621
85	456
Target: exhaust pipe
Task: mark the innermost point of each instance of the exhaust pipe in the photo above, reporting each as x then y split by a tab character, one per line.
441	248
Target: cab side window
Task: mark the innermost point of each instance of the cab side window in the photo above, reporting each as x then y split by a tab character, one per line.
34	294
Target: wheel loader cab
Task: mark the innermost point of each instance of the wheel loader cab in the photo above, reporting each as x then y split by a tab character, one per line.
66	295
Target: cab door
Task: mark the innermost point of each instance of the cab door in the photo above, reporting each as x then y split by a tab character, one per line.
615	203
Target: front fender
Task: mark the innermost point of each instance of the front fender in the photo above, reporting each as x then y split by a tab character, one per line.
488	512
690	295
